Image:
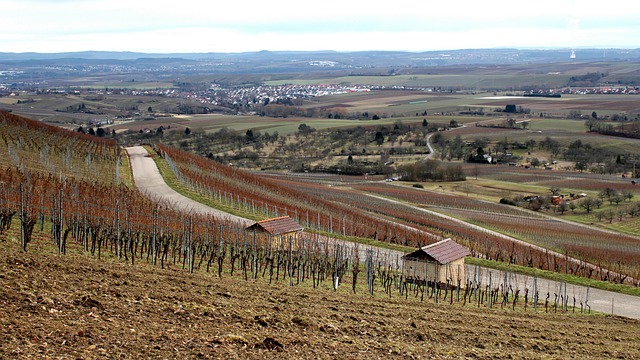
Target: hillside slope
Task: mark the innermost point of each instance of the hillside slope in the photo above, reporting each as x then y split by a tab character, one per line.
75	306
81	306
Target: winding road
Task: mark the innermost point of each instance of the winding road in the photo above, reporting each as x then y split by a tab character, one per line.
149	181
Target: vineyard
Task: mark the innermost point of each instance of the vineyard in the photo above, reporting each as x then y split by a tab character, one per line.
391	222
104	219
47	149
120	224
483	243
351	212
80	254
619	253
258	197
113	221
576	181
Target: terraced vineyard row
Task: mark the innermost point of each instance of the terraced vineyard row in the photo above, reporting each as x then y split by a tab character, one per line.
44	148
256	195
617	252
428	198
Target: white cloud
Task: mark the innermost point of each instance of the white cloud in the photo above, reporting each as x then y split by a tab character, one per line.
202	26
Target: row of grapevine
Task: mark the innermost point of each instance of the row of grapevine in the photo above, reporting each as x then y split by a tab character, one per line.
617	259
134	229
39	147
259	197
394	222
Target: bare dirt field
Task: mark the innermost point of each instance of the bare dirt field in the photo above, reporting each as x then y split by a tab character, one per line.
77	307
591	102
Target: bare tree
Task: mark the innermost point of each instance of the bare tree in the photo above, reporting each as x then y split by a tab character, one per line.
587	203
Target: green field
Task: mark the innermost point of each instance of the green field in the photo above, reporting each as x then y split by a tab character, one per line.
284	126
469	81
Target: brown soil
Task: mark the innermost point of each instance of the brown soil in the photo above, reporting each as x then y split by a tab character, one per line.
75	306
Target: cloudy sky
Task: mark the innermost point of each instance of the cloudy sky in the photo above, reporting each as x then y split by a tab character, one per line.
161	26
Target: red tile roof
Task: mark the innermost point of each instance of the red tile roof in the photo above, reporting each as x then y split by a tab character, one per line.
277	226
444	251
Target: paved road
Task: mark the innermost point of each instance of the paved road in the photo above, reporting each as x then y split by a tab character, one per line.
599	300
148	179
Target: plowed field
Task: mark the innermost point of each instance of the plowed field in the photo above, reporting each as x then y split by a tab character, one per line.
77	307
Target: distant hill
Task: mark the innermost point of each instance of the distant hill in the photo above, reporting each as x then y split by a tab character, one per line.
262	61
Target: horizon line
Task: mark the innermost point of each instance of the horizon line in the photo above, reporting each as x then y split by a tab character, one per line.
324	50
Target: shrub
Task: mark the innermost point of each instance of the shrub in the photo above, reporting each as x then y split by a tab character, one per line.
508	202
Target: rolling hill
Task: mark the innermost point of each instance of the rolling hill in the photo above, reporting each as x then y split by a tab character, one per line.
109	273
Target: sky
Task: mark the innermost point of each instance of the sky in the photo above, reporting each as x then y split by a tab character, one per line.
180	26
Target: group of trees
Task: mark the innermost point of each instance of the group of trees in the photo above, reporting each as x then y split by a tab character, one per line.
513	109
631	130
74	108
587	157
589	204
255	149
99	131
431	170
587	79
584	156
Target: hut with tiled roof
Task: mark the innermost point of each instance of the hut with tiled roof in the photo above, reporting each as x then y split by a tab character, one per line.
283	227
442	262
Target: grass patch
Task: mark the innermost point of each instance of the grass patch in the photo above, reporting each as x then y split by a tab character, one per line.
126	173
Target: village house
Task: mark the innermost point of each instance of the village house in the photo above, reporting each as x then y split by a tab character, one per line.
442	262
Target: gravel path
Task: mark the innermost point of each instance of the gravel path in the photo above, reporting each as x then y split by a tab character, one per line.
148	179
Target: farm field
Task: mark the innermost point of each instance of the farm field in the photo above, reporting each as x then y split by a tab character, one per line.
82	307
62	109
468	80
284	126
564	131
397	103
389	104
604	104
471	77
